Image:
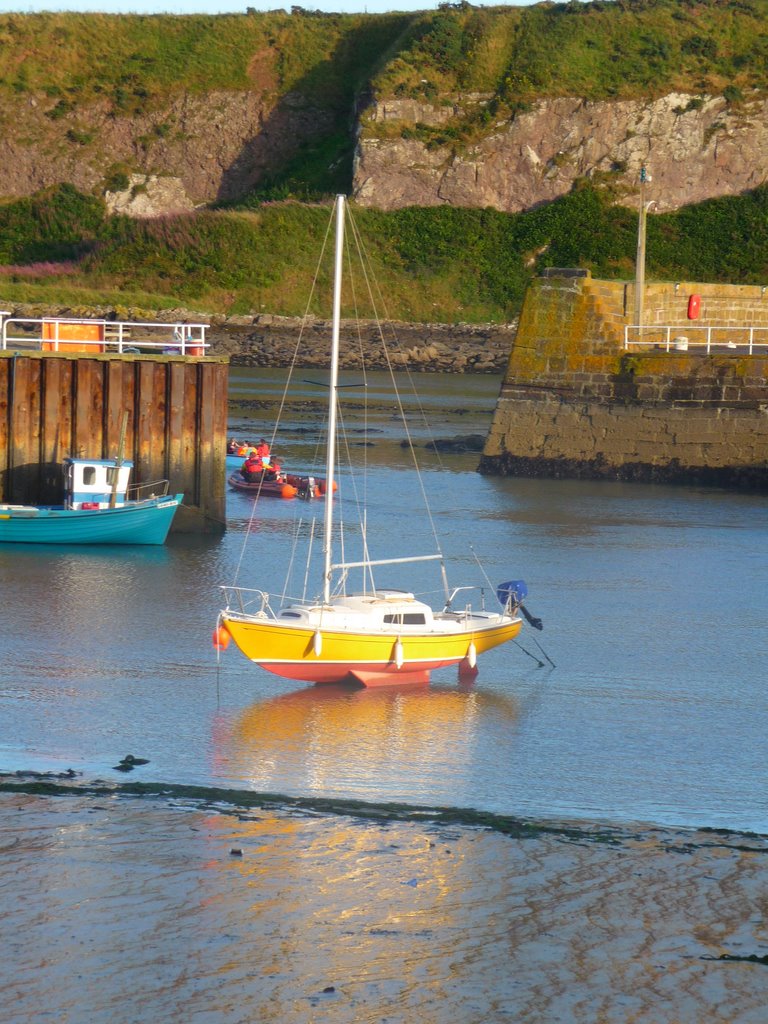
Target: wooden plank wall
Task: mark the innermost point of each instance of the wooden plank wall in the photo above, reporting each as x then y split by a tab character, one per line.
54	405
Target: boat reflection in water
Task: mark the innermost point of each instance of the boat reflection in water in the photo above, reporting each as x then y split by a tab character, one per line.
405	744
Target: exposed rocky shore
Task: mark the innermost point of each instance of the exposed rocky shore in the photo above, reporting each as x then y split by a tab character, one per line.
431	348
268	340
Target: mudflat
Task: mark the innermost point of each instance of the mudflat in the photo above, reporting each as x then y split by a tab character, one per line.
123	908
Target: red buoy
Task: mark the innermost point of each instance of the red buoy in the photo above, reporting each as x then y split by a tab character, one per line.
694	307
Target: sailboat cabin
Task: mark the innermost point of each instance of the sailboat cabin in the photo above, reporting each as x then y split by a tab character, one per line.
95	483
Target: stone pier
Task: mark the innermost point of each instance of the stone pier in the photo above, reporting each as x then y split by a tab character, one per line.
575	403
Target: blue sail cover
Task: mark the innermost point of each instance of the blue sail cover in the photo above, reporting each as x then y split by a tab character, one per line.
515	589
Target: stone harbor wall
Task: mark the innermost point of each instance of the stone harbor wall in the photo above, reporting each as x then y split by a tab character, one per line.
576	403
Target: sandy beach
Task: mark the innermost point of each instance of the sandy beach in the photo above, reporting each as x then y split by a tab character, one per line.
122	908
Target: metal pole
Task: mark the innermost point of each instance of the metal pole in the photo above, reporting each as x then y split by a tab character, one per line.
640	257
332	393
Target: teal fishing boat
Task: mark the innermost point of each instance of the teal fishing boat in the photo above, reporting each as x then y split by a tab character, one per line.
96	509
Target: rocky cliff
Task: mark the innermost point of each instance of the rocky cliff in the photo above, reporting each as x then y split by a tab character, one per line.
220	145
501	107
697	147
216	146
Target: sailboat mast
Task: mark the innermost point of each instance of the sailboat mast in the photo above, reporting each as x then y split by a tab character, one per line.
332	391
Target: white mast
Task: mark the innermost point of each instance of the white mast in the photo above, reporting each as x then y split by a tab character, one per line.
332	389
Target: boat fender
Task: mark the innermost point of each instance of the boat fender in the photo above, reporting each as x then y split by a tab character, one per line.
398	653
288	491
317	643
221	638
471	655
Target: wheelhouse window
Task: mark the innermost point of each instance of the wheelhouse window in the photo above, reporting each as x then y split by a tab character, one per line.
89	475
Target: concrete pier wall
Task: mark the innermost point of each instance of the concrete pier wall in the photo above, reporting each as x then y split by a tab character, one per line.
574	403
53	405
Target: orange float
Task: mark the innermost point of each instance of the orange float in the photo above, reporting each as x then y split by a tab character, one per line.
221	638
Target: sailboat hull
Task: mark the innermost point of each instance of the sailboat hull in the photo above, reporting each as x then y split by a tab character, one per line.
373	660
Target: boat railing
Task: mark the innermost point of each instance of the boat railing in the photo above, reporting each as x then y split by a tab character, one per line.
59	334
153	489
246	600
745	339
466	611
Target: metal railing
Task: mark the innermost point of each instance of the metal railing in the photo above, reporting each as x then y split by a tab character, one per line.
153	489
684	337
60	334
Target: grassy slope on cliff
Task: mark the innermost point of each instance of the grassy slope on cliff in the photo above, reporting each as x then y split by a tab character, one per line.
134	61
72	64
435	264
598	50
512	55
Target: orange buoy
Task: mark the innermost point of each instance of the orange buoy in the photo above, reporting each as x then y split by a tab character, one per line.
221	638
288	491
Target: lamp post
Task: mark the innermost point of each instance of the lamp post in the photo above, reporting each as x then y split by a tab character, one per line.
640	259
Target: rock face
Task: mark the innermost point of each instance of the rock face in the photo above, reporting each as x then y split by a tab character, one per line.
218	144
695	147
148	195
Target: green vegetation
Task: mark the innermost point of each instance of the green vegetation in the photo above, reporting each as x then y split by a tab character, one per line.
57	224
329	64
137	65
598	50
438	263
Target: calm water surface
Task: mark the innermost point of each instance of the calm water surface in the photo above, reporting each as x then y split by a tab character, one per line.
654	602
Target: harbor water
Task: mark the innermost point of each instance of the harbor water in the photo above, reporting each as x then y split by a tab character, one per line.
653	598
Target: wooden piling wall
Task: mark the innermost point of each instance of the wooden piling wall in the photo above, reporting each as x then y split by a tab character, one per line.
53	405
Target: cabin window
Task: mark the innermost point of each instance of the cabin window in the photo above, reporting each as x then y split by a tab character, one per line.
112	475
89	475
408	619
290	615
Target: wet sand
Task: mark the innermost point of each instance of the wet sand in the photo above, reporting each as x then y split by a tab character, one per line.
121	909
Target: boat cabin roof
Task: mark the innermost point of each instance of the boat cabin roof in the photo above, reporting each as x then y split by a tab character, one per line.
73	461
384	609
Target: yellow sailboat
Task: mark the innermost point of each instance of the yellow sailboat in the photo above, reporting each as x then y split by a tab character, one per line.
372	636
